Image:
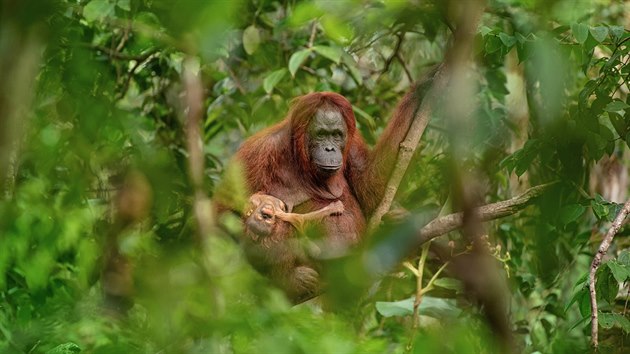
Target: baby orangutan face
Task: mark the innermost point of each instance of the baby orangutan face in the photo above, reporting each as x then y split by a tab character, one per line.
261	216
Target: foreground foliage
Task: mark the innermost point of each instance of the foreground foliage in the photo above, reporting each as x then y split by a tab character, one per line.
92	113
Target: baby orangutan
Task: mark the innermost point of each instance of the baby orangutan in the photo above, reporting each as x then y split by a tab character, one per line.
265	211
282	259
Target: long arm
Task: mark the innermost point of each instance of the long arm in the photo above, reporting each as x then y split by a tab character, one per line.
369	175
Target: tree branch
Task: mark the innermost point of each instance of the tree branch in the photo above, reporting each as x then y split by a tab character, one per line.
445	224
597	261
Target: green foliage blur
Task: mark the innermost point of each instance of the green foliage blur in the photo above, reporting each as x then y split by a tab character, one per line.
94	164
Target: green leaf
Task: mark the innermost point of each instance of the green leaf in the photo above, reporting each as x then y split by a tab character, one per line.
336	29
349	62
332	53
272	79
624	258
97	10
507	40
584	304
606	320
363	117
599	33
580	32
493	43
395	308
570	213
251	39
66	348
577	296
124	5
619	271
297	59
449	283
600	209
618	123
616	106
616	31
430	306
607	286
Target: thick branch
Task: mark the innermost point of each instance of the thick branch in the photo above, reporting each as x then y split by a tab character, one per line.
597	261
448	223
194	112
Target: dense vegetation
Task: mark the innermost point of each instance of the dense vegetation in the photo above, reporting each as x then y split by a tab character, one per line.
94	163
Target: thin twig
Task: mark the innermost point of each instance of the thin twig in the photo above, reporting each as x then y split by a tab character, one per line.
597	261
418	299
311	39
404	66
388	62
122	56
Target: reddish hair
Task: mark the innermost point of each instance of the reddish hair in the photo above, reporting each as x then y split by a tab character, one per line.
303	109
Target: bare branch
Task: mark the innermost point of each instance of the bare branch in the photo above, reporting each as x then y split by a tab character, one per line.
597	261
448	223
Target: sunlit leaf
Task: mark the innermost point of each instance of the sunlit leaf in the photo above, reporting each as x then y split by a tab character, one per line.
297	59
251	39
273	79
332	53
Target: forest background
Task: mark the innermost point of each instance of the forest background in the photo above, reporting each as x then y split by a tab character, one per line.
118	119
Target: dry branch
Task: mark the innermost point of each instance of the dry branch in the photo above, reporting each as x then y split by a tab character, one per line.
448	223
597	261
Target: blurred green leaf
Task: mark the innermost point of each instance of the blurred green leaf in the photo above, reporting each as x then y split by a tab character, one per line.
97	10
124	4
332	53
66	348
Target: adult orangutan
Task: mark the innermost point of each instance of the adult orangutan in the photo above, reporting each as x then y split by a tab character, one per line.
316	156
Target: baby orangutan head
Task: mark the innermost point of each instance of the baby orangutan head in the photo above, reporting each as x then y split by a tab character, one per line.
262	215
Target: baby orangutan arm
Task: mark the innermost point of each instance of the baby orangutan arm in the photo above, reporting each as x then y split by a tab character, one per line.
299	220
